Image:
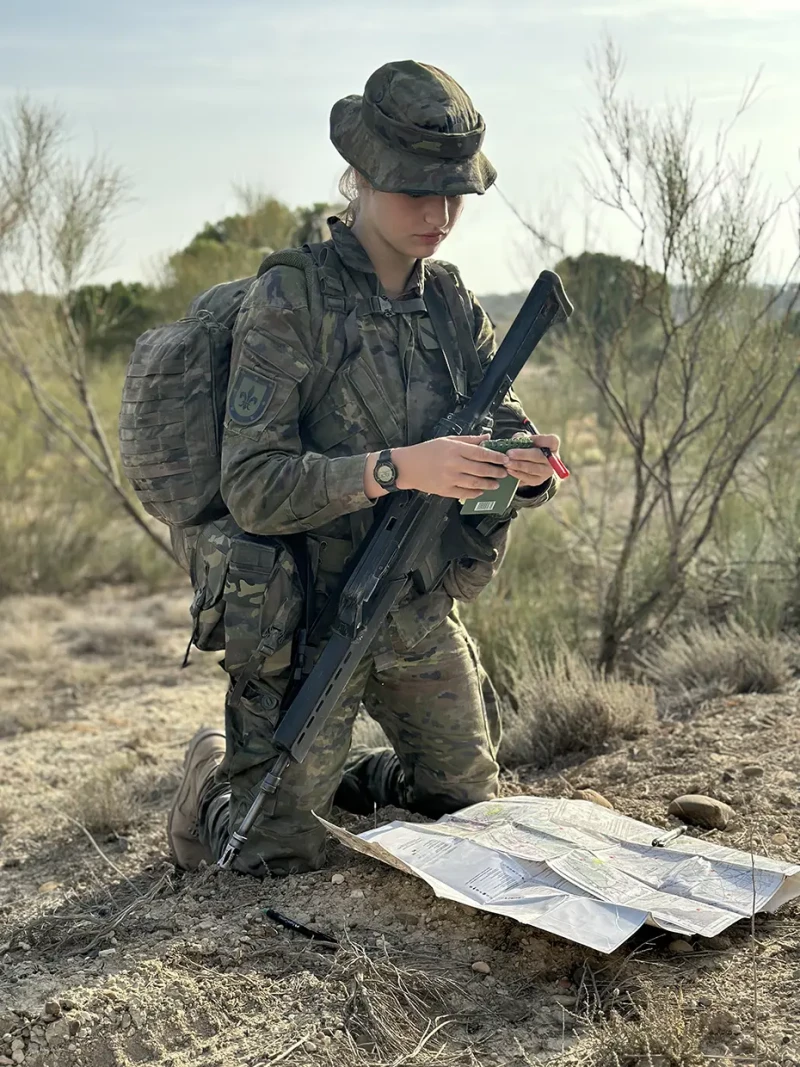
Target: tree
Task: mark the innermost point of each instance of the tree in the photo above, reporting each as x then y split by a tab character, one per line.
54	215
231	248
110	318
691	377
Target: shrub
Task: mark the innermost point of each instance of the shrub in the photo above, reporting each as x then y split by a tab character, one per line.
563	705
703	663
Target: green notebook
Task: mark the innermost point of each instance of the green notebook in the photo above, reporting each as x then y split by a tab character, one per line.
493	501
497	501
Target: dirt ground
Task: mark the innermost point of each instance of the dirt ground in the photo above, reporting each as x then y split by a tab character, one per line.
108	956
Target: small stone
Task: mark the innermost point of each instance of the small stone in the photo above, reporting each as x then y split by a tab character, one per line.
679	947
49	887
18	1057
780	838
701	810
753	770
481	967
107	952
73	1026
309	1046
67	1004
337	879
17	1045
23	946
357	894
5	1061
52	1007
565	1000
593	796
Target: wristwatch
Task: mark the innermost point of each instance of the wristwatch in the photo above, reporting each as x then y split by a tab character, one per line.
384	472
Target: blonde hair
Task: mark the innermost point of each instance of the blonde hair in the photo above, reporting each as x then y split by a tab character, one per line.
350	186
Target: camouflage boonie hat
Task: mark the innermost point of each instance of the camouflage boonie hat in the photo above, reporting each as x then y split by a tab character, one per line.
414	130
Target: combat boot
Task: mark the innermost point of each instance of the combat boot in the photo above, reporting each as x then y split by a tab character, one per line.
203	756
372	778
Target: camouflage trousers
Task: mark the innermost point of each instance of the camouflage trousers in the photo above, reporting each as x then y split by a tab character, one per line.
434	703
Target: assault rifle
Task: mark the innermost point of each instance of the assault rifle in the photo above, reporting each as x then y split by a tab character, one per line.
396	554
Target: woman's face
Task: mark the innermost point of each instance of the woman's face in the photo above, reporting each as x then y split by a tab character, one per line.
414	226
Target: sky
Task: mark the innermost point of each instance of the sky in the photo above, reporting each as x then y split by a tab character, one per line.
191	98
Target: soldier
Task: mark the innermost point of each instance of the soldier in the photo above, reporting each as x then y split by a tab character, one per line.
311	447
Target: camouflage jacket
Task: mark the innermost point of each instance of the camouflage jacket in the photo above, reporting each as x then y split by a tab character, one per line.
292	462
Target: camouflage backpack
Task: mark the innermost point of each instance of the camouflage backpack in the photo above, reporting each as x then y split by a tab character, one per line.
174	394
173	404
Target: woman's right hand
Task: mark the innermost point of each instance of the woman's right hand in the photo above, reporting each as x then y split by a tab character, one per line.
449	466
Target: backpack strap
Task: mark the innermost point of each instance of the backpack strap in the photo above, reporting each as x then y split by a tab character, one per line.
452	318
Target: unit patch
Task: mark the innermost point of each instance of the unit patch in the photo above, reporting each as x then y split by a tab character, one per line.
249	396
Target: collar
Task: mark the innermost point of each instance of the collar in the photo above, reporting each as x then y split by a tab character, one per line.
354	256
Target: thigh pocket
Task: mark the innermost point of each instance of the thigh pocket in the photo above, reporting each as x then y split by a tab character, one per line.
263	600
209	570
249	727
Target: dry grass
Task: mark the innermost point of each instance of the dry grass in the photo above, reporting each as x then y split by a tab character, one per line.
563	705
704	663
664	1035
109	636
395	1014
109	801
7	809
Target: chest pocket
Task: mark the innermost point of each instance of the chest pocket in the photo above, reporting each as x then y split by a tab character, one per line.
356	414
433	350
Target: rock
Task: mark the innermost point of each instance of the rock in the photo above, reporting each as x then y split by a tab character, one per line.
593	796
481	967
52	1007
17	1045
700	810
67	1004
357	894
780	838
49	887
679	947
107	952
18	1057
337	879
309	1046
565	1000
73	1025
753	770
57	1034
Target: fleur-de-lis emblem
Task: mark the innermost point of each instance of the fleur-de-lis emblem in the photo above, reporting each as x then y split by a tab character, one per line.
248	399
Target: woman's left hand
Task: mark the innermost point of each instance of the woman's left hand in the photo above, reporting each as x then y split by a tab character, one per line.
529	464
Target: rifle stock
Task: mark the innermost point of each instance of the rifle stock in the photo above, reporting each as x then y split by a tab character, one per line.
392	555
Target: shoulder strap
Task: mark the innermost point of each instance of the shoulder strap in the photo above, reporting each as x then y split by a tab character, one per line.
447	303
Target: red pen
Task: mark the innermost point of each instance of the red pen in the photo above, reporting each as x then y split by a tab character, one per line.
554	461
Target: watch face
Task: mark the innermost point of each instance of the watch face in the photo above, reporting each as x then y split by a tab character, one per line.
384	472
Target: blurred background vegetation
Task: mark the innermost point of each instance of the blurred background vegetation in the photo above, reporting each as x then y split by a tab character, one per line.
673	389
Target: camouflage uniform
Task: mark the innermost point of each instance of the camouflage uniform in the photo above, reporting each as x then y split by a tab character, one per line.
302	416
